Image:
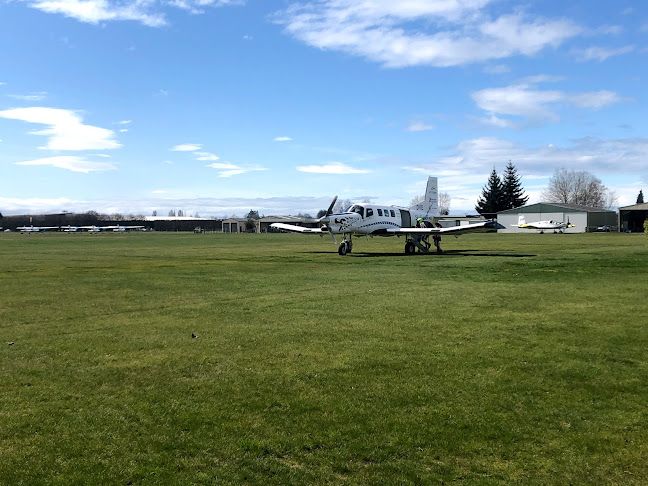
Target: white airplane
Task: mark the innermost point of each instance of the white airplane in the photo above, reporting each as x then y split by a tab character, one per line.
542	226
366	219
122	228
97	229
35	229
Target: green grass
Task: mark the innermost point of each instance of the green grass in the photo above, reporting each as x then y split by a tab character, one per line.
508	359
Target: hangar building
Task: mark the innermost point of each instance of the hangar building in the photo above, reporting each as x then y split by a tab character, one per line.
584	218
631	218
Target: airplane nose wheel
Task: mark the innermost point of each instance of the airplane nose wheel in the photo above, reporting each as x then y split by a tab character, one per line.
345	247
409	248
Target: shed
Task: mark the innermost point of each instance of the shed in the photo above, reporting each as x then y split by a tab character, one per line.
584	218
631	218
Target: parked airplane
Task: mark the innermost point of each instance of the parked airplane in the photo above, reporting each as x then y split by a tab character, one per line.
35	229
97	229
366	219
543	225
122	228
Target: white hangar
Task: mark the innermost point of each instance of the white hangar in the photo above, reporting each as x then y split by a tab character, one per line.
584	218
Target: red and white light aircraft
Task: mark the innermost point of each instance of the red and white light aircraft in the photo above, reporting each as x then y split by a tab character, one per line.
367	219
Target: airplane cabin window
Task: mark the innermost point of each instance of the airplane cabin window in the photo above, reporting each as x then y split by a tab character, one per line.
369	212
393	214
379	212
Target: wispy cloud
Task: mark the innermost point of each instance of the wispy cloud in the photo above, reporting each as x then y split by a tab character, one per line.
419	126
38	96
596	53
282	139
227	169
480	155
332	168
206	156
147	12
72	163
525	100
66	130
399	34
186	147
125	122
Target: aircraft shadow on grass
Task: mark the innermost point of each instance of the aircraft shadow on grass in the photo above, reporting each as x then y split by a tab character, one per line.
446	253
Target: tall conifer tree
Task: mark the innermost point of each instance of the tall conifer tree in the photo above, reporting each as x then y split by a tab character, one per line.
490	201
640	198
512	190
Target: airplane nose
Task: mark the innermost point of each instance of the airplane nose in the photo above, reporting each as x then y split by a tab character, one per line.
325	220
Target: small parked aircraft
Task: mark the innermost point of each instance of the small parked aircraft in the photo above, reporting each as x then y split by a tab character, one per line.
35	229
366	219
542	226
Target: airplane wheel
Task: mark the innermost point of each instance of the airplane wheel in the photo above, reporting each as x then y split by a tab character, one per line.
342	249
409	248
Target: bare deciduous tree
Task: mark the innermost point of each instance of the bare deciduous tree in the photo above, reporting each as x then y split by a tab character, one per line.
341	205
416	199
444	203
578	187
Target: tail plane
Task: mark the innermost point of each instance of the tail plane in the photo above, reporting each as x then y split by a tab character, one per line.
431	202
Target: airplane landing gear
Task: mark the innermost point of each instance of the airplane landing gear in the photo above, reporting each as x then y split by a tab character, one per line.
409	248
345	247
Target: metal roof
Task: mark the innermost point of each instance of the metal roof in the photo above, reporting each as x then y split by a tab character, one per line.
635	207
549	207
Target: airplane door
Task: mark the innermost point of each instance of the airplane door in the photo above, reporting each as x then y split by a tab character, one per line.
406	219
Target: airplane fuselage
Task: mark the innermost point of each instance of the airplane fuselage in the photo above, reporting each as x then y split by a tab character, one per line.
372	219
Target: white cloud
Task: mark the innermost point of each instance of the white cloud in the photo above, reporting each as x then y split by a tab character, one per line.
95	11
600	54
123	130
480	155
419	126
124	122
282	139
147	12
186	147
421	32
66	130
525	100
332	168
38	96
228	170
206	156
73	163
159	191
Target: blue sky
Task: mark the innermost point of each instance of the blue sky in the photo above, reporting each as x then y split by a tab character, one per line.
217	107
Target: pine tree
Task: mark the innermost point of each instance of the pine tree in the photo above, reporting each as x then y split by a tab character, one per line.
640	198
512	190
490	201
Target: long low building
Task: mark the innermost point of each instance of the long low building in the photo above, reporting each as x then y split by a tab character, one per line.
584	218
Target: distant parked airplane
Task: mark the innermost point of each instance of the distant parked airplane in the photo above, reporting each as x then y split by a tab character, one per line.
377	220
543	225
35	229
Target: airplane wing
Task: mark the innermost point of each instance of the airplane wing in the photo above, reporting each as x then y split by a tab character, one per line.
298	229
453	230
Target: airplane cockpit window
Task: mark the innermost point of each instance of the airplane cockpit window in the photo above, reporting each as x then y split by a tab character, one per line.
357	209
369	212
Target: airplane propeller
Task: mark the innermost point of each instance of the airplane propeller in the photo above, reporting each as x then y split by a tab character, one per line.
326	220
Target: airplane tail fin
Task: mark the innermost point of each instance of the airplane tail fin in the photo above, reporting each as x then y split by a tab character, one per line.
431	202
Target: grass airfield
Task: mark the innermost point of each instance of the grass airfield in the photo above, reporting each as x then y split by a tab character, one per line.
508	359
